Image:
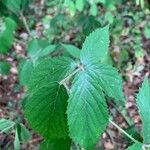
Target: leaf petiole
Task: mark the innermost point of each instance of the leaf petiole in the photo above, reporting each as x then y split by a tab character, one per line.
123	131
70	75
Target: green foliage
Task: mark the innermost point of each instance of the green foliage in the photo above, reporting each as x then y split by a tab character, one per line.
25	70
15	6
143	102
4	68
48	70
56	144
6	125
50	97
136	146
72	50
39	48
23	132
6	36
147	32
87	109
16	142
46	109
95	47
36	50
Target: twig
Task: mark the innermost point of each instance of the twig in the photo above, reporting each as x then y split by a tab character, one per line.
123	114
69	76
121	130
25	24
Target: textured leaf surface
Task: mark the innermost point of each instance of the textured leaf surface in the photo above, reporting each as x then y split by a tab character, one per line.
136	146
25	69
72	50
143	102
45	110
56	144
49	70
109	80
35	47
25	135
6	125
12	5
87	110
95	46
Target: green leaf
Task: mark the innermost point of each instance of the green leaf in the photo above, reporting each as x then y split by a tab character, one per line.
13	5
35	46
10	24
80	4
46	110
44	52
25	71
48	99
136	146
24	134
95	47
6	37
6	125
48	70
17	141
109	80
147	32
56	144
72	50
143	103
87	110
109	17
4	68
93	10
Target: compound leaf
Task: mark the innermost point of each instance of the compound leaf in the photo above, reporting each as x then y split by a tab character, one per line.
87	110
143	103
95	47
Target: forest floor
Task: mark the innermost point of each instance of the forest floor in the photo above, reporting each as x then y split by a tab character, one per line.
11	93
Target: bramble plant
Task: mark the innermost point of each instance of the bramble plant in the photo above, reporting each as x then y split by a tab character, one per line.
51	95
68	89
66	97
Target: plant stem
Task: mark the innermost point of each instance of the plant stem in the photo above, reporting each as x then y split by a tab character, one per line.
123	113
25	24
69	76
121	130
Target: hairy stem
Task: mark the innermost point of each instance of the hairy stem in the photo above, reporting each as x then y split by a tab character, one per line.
123	131
69	76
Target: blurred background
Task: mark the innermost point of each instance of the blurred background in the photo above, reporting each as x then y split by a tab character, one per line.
27	27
